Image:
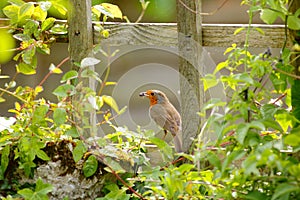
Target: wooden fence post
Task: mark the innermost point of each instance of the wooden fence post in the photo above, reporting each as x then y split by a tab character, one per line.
189	45
81	43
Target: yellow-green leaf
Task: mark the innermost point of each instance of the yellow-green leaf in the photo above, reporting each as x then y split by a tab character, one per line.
111	102
113	9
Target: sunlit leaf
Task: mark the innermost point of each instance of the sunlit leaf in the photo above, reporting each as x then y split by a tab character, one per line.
26	69
48	23
111	102
237	31
55	69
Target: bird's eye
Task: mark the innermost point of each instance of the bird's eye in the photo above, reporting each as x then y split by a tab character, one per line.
152	93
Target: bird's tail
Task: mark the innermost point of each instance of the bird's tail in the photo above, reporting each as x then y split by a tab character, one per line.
178	142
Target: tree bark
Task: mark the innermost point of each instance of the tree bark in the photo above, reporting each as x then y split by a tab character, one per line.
81	43
189	45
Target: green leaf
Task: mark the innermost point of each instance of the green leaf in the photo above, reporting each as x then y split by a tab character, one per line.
26	193
48	23
285	120
25	13
30	27
64	90
268	16
241	132
69	76
73	132
111	102
59	116
21	37
164	147
221	66
28	55
214	160
89	62
42	155
39	14
293	22
113	9
11	12
285	189
90	166
59	29
292	140
4	160
26	69
17	2
214	102
115	166
39	114
79	151
238	30
209	81
43	188
255	195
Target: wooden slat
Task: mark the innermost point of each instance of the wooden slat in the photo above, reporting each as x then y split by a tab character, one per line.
165	34
214	35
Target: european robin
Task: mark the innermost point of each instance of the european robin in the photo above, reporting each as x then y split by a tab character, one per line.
165	115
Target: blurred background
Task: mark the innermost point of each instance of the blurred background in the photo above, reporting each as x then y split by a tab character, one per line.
137	69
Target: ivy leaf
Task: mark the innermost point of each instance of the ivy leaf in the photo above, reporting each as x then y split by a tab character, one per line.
90	166
79	151
28	55
26	69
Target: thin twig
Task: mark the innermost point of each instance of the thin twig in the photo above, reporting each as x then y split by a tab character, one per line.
204	14
50	72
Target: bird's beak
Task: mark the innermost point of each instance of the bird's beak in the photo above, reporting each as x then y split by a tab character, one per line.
143	94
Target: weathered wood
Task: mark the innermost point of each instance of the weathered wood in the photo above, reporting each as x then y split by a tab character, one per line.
165	34
190	51
213	35
81	43
80	30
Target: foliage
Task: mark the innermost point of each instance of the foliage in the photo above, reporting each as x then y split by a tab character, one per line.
255	156
40	192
